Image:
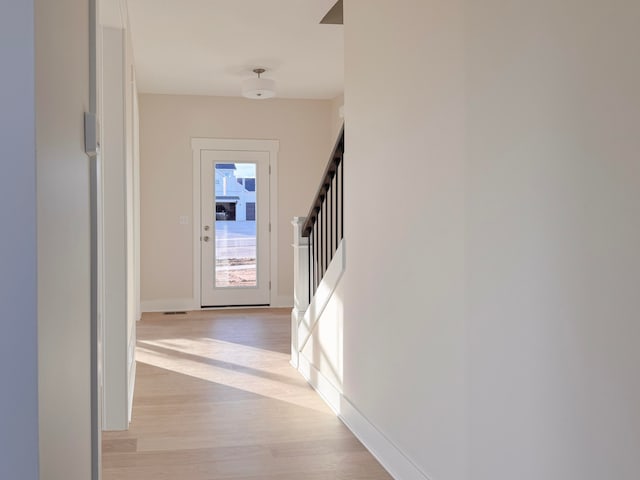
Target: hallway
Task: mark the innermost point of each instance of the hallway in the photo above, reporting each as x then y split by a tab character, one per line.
216	398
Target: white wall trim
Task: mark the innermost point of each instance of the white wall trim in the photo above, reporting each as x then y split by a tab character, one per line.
195	221
189	305
321	384
169	305
131	359
270	146
390	456
235	144
322	296
115	229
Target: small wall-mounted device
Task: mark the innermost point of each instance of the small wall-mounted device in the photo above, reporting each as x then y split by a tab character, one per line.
90	133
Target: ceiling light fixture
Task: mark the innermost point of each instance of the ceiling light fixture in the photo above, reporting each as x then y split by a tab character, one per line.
259	88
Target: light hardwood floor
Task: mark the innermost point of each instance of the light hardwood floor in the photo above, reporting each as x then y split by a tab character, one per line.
216	398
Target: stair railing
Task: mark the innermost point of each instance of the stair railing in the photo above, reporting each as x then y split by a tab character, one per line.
324	224
317	236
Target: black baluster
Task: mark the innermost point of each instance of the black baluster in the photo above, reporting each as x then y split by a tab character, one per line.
337	204
309	256
341	197
317	256
320	247
330	192
326	230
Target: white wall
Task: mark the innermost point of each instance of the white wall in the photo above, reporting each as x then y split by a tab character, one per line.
336	120
64	280
403	289
553	239
167	124
18	294
490	327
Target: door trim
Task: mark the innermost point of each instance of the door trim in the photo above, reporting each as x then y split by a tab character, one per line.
270	146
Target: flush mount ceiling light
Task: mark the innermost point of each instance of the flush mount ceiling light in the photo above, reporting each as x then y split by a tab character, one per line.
258	88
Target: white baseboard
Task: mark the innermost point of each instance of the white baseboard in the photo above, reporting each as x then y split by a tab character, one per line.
396	462
325	388
132	387
188	304
131	360
169	305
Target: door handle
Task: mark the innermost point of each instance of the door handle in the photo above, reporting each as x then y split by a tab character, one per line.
206	228
205	238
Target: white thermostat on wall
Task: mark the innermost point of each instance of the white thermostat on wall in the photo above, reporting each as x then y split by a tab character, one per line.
90	133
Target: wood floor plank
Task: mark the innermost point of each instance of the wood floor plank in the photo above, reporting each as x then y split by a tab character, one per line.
216	398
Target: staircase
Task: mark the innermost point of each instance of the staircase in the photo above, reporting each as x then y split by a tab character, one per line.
318	242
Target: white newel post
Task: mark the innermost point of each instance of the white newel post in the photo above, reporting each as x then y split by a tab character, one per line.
300	283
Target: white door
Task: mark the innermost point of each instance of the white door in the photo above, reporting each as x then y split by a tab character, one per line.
234	228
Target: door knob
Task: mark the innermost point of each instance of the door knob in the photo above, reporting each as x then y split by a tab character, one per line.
206	228
205	238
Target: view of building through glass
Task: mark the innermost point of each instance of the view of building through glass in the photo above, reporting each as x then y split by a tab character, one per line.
235	225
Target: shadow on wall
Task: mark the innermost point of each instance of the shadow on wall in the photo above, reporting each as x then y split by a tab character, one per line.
325	348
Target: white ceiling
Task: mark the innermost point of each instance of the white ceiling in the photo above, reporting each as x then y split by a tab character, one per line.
207	47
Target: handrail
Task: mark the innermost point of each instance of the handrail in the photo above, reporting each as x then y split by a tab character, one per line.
329	172
324	225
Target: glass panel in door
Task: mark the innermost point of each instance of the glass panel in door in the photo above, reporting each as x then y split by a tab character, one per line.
235	225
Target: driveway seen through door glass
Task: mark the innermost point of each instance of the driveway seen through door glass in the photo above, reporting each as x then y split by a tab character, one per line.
235	225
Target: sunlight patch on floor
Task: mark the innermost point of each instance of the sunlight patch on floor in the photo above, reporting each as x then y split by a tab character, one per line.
275	382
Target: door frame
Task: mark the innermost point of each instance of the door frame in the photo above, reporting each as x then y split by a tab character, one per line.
248	145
